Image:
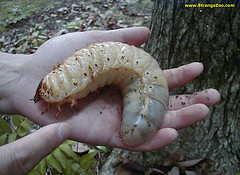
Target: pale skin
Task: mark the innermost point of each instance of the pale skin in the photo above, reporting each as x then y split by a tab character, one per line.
96	119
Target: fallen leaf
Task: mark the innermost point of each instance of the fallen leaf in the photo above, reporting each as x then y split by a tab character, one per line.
122	171
173	158
174	171
80	147
206	167
60	32
134	167
220	173
63	10
131	1
154	170
140	23
189	163
191	173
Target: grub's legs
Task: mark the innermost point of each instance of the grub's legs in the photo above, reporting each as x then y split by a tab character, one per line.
49	105
59	111
73	103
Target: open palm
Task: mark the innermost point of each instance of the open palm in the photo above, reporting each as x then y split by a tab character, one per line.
97	118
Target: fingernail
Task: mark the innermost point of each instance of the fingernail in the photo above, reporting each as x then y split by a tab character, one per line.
198	66
63	131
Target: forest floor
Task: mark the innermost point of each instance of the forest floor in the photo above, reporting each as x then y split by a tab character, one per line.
25	24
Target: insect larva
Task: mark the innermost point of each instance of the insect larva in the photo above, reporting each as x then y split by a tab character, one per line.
132	70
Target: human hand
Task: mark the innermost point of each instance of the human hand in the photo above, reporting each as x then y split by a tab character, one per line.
97	117
23	155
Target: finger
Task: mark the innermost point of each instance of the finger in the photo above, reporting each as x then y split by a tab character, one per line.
71	42
182	75
133	36
22	155
208	97
185	117
162	138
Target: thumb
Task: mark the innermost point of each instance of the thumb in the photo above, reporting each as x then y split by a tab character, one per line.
22	155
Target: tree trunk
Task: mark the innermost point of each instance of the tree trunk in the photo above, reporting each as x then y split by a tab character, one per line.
182	35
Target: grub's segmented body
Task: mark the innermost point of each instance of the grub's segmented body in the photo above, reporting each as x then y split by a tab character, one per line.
135	72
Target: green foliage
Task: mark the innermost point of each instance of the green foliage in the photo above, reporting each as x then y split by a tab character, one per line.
64	161
4	126
3	139
88	160
103	148
74	24
61	161
13	127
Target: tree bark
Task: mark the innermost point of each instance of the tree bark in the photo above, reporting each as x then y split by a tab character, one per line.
182	35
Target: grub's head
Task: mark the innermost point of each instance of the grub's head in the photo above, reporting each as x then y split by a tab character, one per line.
37	96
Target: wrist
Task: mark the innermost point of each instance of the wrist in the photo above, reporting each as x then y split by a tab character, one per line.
11	68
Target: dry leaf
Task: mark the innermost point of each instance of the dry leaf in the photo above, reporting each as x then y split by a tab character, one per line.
189	163
80	147
131	1
134	167
173	158
191	173
154	170
122	171
60	32
63	10
174	171
216	173
206	167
